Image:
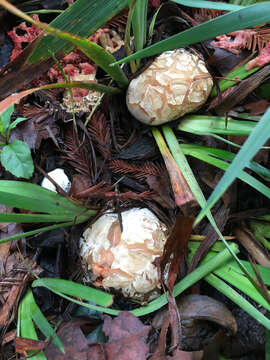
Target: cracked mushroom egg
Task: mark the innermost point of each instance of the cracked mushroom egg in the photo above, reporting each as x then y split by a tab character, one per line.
124	261
176	83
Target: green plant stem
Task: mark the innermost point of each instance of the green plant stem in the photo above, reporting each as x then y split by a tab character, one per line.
37	231
44	11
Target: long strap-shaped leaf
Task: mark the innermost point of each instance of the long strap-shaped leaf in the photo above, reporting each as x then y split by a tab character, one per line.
236	20
72	288
201	124
95	52
210	156
209	4
42	218
237	299
30	310
33	197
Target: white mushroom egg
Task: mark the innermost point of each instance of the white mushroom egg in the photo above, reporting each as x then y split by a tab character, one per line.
176	83
59	176
124	260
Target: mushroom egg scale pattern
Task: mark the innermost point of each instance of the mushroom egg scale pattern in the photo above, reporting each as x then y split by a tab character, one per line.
124	260
176	83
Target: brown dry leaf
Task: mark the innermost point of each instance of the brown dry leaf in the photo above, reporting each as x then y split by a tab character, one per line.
22	345
237	93
13	297
183	195
127	341
173	254
80	183
257	107
127	337
74	342
160	185
184	355
252	245
8	337
175	247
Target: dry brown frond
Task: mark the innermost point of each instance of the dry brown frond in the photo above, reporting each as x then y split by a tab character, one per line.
100	133
119	20
138	171
77	155
129	195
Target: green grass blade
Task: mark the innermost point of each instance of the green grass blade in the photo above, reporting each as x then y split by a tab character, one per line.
41	218
242	283
201	271
267	341
84	85
78	290
202	124
37	231
127	38
152	25
194	187
82	18
139	24
254	142
209	5
78	302
190	178
225	289
41	322
209	156
28	196
239	73
95	52
27	329
236	20
264	271
217	247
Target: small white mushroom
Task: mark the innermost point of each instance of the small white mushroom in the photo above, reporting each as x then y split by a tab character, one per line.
59	176
176	83
124	260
